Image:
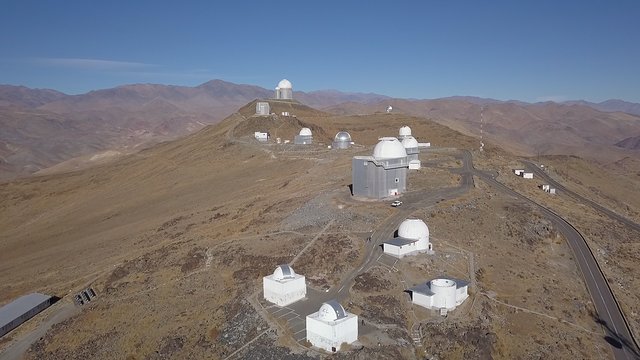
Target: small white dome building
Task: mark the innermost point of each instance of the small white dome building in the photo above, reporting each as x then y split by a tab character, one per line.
404	132
382	175
441	294
342	140
284	286
331	326
413	238
284	90
304	137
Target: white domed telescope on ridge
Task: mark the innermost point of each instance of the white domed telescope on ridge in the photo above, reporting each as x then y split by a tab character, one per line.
413	238
342	140
383	174
284	90
304	137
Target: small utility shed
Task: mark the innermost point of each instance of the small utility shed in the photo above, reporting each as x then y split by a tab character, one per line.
22	309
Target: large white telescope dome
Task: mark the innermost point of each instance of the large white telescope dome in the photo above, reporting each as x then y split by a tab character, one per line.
284	84
414	229
389	148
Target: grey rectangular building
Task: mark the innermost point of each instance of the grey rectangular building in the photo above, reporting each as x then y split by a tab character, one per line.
22	309
378	178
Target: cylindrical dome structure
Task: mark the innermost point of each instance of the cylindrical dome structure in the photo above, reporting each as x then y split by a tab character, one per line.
404	131
389	148
444	293
305	132
284	90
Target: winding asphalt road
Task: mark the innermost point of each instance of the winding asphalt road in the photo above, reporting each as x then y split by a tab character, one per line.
613	215
608	312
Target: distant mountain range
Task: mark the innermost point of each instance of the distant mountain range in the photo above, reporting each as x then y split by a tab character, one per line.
40	127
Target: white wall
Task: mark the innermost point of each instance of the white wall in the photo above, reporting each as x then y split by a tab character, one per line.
326	335
398	251
283	293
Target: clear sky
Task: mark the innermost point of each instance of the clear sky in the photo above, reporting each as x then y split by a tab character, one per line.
526	50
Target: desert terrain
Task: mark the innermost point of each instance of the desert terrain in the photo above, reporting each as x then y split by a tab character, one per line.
177	237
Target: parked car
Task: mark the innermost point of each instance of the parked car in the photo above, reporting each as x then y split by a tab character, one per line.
396	203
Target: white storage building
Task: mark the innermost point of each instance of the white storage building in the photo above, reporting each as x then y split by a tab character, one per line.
413	238
284	286
440	294
331	326
262	108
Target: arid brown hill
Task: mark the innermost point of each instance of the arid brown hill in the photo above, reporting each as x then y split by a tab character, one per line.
41	128
525	129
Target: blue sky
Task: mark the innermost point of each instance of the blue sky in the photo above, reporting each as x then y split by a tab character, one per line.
525	50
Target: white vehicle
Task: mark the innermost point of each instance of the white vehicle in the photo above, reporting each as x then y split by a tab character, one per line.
396	203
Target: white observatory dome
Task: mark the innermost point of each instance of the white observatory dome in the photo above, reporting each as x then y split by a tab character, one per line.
389	148
343	136
331	311
409	142
284	84
284	272
413	229
405	131
305	132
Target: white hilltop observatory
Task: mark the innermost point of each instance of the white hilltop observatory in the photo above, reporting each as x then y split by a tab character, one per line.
342	140
284	90
284	286
304	137
331	326
440	294
382	175
413	238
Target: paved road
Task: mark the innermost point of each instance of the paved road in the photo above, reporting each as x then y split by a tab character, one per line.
542	174
608	312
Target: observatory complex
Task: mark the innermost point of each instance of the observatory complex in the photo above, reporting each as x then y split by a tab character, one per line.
331	326
284	286
440	294
413	238
342	140
284	90
382	175
305	137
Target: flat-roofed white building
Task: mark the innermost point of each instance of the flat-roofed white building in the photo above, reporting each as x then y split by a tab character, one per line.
440	294
331	326
262	108
284	286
